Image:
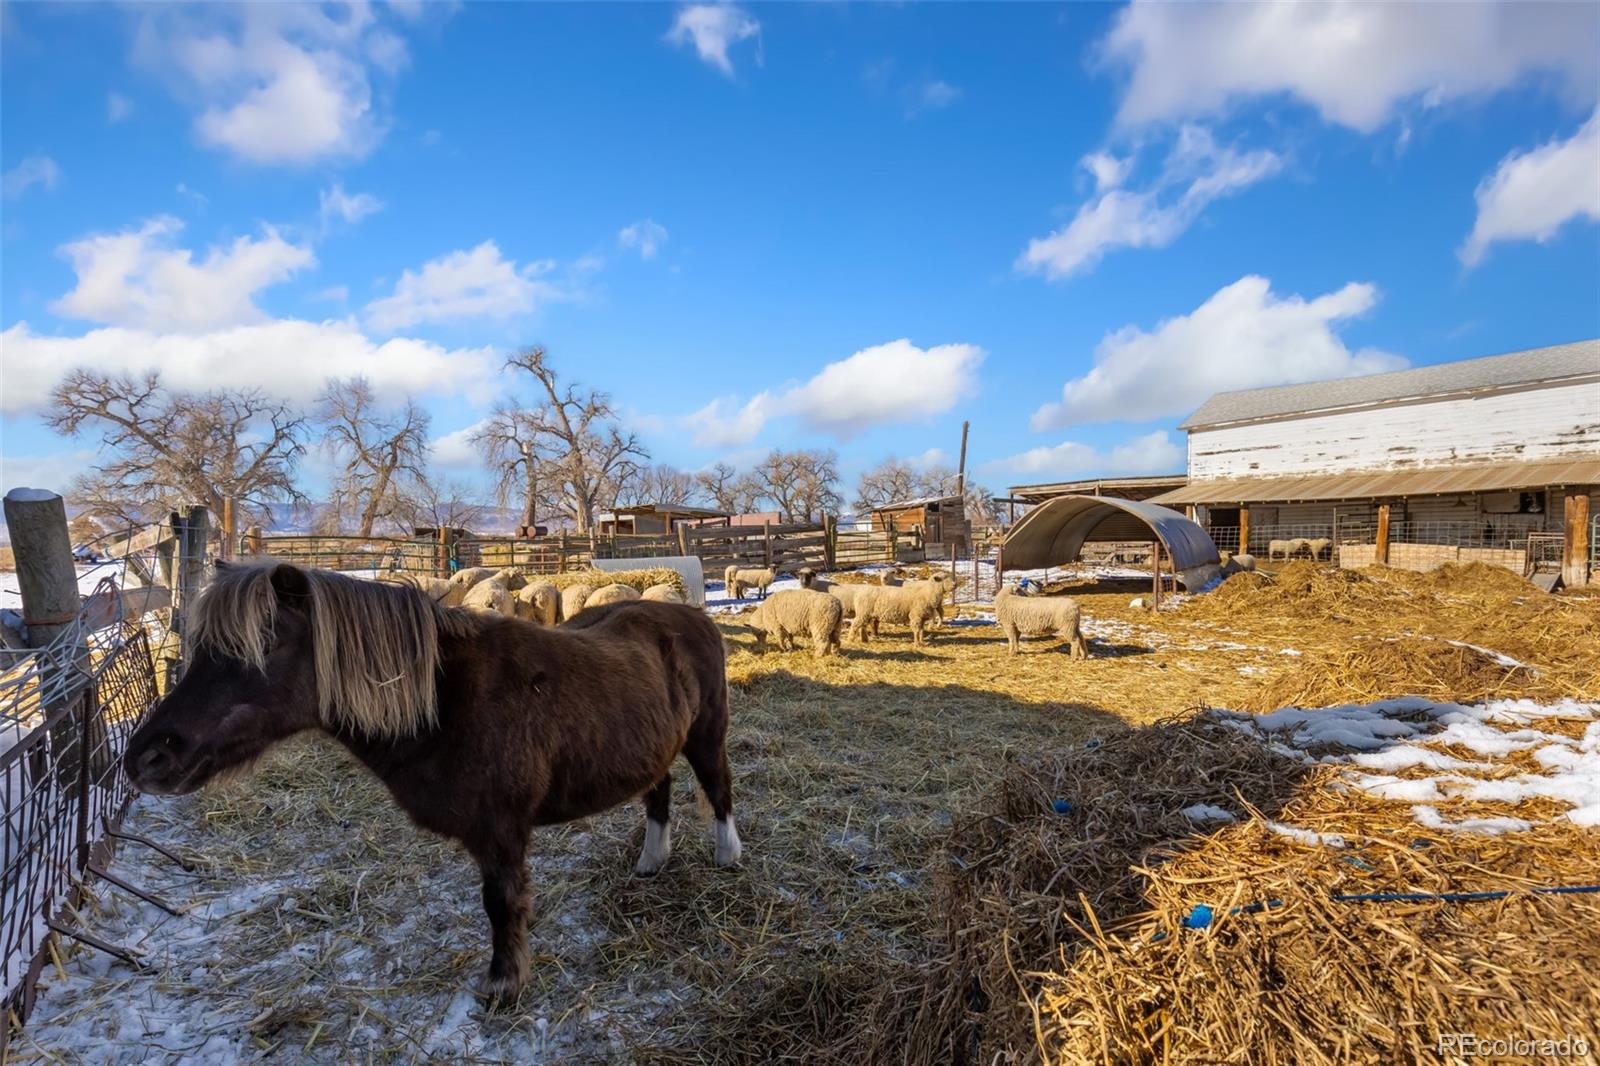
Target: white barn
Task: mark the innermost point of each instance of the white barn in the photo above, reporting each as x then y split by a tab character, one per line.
1488	458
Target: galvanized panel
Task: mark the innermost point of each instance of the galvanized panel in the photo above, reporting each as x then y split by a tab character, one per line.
1054	533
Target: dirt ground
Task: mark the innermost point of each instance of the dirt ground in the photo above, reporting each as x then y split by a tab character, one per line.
319	926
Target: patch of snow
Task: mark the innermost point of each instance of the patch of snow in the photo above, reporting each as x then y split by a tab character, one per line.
24	495
1307	836
1430	818
1205	812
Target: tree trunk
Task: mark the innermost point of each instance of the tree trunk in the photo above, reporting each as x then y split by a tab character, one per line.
530	493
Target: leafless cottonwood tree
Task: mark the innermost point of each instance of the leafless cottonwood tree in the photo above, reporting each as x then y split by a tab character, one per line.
427	503
729	490
565	435
167	447
660	483
378	449
803	483
889	481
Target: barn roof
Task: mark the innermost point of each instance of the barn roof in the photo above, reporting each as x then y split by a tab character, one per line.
920	501
1053	533
1371	484
1579	359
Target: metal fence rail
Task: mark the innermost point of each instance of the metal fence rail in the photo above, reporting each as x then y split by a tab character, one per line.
66	713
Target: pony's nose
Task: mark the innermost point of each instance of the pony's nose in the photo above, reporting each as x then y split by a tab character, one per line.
156	761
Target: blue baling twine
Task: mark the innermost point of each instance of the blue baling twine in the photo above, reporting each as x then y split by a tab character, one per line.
1201	916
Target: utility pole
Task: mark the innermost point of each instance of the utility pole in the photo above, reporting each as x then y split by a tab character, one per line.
961	468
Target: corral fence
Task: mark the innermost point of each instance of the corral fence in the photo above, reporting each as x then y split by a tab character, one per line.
77	677
784	546
1412	545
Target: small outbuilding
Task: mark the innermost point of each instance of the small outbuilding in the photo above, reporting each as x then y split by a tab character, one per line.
641	518
936	519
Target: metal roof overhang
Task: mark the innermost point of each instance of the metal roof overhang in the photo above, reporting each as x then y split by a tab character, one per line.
1054	532
1368	484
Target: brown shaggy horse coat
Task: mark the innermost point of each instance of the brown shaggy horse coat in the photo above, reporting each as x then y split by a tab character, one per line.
482	727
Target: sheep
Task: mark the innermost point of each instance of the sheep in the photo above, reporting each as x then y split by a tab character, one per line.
490	597
908	605
612	593
845	594
1298	545
513	577
1031	616
662	593
438	589
573	598
793	611
472	575
1238	564
1318	545
539	601
736	581
1276	548
944	582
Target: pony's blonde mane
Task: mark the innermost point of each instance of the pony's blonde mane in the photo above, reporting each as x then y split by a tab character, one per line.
375	647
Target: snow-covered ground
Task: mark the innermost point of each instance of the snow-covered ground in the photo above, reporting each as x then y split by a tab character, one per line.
1425	752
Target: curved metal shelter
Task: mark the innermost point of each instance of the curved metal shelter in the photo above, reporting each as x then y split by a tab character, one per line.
1053	533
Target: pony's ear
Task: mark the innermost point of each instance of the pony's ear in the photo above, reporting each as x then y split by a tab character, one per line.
291	584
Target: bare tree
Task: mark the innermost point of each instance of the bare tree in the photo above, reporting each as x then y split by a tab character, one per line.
729	490
424	503
803	484
890	481
660	484
167	447
378	448
567	436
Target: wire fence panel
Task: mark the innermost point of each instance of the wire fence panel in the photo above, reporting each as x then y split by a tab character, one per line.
377	554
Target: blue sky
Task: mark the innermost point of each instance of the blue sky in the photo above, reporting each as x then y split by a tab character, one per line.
836	225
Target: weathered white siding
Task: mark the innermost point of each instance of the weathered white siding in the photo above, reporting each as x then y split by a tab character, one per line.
1525	424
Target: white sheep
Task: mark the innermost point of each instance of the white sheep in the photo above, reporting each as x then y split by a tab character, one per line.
1319	545
539	601
573	598
662	593
944	583
1040	616
1237	564
844	593
472	575
1298	545
612	593
785	614
735	581
1276	548
490	597
438	589
907	605
513	576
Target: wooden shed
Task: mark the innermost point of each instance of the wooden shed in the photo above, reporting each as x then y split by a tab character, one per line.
935	519
651	518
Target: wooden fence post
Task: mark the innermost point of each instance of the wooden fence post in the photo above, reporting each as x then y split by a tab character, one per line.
561	557
830	541
47	577
1381	556
252	544
766	536
1575	542
683	539
193	530
1244	531
1155	568
229	530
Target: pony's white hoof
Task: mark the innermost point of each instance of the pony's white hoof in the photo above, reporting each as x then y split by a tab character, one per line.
657	849
728	847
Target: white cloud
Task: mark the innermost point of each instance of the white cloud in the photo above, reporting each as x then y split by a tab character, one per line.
338	294
38	170
335	203
713	29
276	83
934	94
480	283
647	235
455	449
1196	172
289	358
138	278
1242	337
1153	453
53	471
1356	62
882	385
1532	194
929	458
118	107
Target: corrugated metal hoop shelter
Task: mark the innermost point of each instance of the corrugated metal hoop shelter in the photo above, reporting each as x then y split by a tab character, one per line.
1053	533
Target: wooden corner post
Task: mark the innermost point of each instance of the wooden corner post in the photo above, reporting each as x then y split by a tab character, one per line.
1575	541
193	530
1381	553
1244	531
47	578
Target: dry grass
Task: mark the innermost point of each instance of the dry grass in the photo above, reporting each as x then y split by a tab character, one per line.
639	579
909	892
